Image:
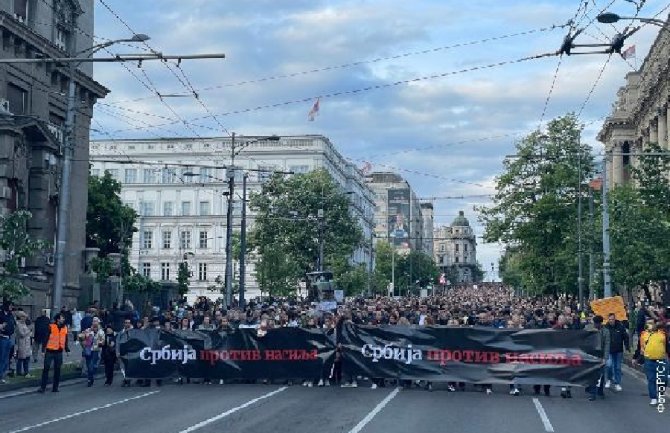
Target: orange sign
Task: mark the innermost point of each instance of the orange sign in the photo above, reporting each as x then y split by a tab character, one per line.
603	307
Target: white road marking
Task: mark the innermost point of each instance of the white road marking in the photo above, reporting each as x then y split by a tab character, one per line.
358	427
543	415
76	414
232	411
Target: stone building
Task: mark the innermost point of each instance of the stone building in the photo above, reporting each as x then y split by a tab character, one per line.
641	113
398	213
33	108
182	207
455	249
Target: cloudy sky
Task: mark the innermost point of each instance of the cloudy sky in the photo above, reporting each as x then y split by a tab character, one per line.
395	90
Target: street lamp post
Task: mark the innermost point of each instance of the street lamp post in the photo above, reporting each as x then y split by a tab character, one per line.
66	173
611	18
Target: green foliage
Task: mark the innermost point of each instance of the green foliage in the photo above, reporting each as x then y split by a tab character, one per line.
285	235
136	283
409	268
17	245
353	280
640	223
183	276
102	266
535	207
109	223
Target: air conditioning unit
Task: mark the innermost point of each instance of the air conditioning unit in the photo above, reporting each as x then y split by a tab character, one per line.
50	259
4	106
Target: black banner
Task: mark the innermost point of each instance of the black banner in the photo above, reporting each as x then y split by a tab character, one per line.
439	353
286	353
473	355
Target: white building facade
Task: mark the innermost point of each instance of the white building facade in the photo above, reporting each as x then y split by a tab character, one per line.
455	247
178	192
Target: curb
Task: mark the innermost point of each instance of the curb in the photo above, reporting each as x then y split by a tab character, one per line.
69	378
635	372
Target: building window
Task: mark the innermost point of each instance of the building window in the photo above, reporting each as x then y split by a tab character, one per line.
146	269
186	208
147	239
167	239
205	175
456	260
203	239
130	175
167	208
205	208
18	99
168	175
202	271
149	175
62	38
266	172
114	173
465	248
147	208
21	10
165	271
95	172
299	169
185	240
456	247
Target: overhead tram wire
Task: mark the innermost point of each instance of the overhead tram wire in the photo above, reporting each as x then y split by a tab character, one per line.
187	83
595	84
365	89
354	64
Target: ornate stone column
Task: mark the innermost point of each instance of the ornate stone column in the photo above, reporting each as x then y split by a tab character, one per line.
653	131
662	127
617	164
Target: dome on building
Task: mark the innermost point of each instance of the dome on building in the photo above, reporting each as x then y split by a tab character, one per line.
461	220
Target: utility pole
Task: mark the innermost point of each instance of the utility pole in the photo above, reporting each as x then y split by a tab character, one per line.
372	235
607	284
64	196
319	215
591	258
580	277
230	174
243	240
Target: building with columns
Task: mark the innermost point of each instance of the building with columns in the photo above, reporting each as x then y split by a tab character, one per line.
455	250
179	195
33	109
641	113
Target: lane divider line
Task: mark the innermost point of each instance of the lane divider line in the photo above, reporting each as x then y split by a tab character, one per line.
358	427
232	411
543	415
84	412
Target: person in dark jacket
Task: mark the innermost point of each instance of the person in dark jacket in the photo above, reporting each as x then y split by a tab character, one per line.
41	334
7	327
109	353
618	341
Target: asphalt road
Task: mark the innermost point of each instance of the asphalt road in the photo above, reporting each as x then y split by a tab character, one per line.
296	409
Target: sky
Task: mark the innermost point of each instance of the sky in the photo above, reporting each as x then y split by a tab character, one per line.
435	90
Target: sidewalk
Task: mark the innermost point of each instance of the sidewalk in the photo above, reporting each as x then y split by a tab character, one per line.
69	370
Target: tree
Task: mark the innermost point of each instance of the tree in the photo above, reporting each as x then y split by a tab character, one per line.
414	270
17	245
109	223
288	226
640	223
136	283
535	207
183	276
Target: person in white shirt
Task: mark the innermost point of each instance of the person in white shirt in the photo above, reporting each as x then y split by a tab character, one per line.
92	340
76	324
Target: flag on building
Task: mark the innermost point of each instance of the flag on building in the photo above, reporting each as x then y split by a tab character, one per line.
314	111
628	52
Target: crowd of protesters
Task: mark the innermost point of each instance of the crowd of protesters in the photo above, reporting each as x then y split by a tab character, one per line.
94	333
